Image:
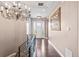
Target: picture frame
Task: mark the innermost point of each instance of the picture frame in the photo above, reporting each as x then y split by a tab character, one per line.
56	20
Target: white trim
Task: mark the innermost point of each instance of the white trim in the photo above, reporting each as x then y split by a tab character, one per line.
12	55
55	48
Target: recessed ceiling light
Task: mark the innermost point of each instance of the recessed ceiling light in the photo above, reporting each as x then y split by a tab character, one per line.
38	16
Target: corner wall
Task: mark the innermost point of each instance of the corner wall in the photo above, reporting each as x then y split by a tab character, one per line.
78	29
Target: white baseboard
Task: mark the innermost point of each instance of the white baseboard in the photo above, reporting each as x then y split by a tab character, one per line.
12	55
55	48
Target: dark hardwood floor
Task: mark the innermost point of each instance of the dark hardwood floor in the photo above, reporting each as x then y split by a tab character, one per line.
41	49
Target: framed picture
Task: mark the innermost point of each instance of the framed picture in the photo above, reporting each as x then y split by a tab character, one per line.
55	20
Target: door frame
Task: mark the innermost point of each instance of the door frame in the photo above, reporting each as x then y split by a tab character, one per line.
45	25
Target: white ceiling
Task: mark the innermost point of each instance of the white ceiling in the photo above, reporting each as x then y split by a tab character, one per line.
43	11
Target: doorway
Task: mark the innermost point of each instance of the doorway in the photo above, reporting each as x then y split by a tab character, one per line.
38	28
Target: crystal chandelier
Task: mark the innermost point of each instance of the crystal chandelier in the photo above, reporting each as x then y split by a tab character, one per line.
14	10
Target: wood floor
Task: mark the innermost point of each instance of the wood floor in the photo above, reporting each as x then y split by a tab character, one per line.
44	49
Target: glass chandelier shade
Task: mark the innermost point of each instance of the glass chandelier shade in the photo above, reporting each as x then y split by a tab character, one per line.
14	10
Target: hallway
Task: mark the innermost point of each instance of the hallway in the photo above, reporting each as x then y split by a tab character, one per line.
44	28
40	46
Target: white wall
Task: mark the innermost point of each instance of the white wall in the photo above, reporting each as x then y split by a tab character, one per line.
67	37
20	32
12	34
7	36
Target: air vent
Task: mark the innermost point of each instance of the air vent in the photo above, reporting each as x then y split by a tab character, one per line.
40	4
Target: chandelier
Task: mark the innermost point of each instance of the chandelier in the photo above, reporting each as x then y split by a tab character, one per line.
14	10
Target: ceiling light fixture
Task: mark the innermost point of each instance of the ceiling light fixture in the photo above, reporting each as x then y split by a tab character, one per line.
14	10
